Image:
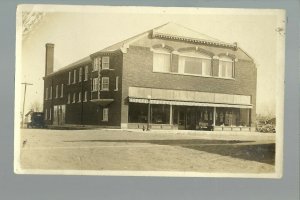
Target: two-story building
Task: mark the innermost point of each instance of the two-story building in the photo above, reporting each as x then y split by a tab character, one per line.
169	77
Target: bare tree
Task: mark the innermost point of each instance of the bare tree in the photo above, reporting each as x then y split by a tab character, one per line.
36	106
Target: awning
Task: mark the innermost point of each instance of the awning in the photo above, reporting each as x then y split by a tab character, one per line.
187	103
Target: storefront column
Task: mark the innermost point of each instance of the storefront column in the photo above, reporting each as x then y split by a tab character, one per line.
214	117
171	115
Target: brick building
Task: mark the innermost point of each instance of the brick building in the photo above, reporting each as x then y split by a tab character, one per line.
169	77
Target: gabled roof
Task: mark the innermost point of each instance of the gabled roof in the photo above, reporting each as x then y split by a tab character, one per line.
169	30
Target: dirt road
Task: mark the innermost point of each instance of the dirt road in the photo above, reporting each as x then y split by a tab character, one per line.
146	151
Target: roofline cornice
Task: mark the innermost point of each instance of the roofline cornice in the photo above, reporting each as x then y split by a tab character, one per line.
193	40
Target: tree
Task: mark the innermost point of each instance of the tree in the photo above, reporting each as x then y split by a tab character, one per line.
36	106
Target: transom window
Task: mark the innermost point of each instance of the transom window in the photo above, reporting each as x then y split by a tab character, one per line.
226	69
161	60
105	62
194	63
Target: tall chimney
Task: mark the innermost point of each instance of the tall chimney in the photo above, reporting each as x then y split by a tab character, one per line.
49	58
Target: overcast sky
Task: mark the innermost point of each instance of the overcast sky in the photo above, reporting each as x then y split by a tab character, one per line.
80	33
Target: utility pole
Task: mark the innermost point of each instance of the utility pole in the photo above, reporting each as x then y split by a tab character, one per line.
25	84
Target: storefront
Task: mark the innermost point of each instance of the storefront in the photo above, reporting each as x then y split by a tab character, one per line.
185	111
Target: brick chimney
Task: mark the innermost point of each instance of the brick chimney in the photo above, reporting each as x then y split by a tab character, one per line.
49	58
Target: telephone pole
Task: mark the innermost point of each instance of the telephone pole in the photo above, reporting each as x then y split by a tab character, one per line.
25	84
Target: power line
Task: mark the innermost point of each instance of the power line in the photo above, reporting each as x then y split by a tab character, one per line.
25	84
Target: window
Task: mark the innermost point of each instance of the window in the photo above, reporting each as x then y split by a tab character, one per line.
74	97
105	62
69	81
74	80
79	97
85	96
226	69
117	83
86	73
50	96
105	83
50	110
95	84
46	114
105	114
161	61
62	90
56	92
69	98
46	95
194	63
80	75
97	64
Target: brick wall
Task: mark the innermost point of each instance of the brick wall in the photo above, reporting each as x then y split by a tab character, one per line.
137	71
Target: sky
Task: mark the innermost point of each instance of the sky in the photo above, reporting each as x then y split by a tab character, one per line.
79	32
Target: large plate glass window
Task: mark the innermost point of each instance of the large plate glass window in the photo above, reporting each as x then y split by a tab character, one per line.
194	63
161	60
226	67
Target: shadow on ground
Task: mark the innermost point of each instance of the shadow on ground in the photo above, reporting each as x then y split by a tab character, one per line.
247	150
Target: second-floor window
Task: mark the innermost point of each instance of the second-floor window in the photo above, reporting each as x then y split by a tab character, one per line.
46	114
74	77
80	75
95	84
226	67
46	95
62	90
195	63
161	60
96	63
56	91
50	96
105	62
69	80
86	73
105	83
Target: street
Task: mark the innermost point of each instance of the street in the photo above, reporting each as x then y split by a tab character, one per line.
136	150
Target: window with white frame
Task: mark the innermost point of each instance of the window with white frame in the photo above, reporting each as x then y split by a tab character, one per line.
79	97
74	77
96	63
226	67
62	90
86	72
105	62
105	83
50	96
105	114
56	91
161	60
117	83
50	110
195	63
69	80
46	95
74	98
85	96
95	84
69	98
80	75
